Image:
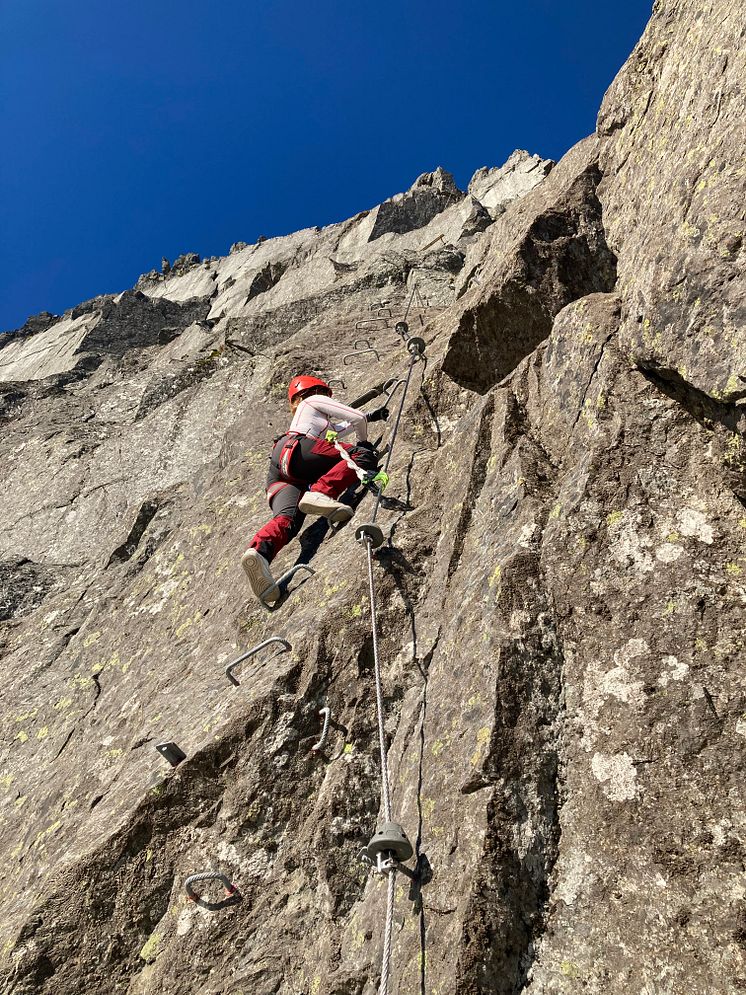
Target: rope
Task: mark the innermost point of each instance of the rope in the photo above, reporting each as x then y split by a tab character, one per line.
387	936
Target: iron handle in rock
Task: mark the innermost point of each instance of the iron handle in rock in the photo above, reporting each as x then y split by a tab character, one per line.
245	656
230	889
365	321
361	352
282	583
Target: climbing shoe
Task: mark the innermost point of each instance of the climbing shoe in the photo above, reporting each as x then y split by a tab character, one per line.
260	576
314	503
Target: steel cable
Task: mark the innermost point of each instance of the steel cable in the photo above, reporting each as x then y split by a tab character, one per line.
385	787
383	988
379	689
412	361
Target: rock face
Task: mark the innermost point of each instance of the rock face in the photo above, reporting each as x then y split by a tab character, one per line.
498	187
560	593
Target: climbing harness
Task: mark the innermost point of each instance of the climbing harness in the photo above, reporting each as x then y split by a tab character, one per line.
326	714
245	656
171	753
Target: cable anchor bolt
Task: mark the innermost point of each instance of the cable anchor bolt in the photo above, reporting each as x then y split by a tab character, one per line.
390	842
416	346
369	532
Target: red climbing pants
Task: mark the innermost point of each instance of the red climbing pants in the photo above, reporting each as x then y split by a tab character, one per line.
299	464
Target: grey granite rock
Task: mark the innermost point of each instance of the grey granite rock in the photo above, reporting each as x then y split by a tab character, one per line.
498	186
561	598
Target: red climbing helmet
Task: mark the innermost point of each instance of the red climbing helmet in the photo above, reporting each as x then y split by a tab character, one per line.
301	385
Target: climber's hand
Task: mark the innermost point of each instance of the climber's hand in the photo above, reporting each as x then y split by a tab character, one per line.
377	481
380	414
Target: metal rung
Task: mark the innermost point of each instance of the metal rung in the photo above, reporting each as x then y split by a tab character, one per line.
337	380
283	582
380	309
230	889
366	344
362	352
245	656
367	321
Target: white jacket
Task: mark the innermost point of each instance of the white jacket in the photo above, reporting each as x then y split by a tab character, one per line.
315	415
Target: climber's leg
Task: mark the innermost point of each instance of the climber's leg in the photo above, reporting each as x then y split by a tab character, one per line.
271	538
329	476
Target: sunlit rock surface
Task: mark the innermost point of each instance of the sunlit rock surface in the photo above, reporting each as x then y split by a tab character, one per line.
561	590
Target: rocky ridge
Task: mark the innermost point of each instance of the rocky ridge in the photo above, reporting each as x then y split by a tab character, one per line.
561	589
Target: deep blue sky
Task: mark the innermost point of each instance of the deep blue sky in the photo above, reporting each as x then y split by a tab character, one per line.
136	130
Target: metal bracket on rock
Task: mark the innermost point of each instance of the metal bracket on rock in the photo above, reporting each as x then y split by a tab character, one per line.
172	753
326	714
337	380
369	532
402	328
365	344
245	656
360	352
282	583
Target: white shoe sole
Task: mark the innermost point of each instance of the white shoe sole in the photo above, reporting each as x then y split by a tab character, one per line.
260	577
319	504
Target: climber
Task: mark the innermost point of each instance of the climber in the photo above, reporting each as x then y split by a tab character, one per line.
307	473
